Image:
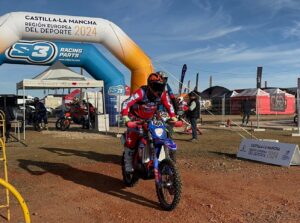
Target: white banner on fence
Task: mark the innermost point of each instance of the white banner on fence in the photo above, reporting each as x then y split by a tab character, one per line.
282	154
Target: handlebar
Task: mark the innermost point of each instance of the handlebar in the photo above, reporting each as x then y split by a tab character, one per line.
134	124
131	124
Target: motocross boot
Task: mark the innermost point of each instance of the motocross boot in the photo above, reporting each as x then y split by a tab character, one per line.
128	159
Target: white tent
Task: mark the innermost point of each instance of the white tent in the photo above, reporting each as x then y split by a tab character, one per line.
58	76
278	91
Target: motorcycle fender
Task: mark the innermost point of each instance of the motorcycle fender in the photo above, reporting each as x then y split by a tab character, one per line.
170	144
162	154
146	155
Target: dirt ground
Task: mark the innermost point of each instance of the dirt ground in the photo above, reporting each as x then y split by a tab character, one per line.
76	177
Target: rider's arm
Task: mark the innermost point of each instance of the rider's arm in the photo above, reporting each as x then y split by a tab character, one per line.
134	98
167	104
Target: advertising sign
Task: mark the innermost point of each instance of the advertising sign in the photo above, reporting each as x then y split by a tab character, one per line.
258	77
183	71
282	154
278	102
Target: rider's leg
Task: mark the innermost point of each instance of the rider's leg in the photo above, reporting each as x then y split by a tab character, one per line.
128	159
129	147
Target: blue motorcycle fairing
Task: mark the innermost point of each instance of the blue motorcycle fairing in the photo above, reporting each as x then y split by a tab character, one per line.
170	144
153	130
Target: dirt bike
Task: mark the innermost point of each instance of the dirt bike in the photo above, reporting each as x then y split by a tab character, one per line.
63	123
154	160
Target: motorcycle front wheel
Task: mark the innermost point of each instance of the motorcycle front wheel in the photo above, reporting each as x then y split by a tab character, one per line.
169	189
129	179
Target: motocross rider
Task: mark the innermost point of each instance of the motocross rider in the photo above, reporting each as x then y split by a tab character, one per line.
142	104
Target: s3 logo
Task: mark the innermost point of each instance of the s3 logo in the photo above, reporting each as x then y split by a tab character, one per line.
116	90
36	52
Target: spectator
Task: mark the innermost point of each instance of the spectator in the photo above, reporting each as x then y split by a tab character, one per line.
9	116
246	110
89	117
193	112
41	113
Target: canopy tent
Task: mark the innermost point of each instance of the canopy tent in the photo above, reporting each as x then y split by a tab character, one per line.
259	99
59	76
281	102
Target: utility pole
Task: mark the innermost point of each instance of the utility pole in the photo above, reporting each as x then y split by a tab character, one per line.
210	81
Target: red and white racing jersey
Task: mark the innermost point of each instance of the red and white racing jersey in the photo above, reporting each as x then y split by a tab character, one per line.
140	106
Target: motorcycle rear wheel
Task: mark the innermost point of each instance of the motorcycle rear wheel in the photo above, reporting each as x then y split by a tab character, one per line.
129	179
58	124
64	124
169	190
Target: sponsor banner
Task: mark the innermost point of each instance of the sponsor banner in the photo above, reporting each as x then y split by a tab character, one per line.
184	68
61	84
116	90
278	102
258	77
45	52
35	52
60	25
197	78
282	154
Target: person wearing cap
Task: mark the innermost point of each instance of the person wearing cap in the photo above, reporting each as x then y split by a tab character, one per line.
193	112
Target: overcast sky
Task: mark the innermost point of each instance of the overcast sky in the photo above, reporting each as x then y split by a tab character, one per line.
227	39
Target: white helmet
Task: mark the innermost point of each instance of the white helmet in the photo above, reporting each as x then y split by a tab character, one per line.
180	99
76	100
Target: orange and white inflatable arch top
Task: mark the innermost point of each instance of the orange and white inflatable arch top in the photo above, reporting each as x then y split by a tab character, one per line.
36	26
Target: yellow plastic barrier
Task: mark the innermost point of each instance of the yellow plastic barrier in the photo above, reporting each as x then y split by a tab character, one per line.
19	198
4	182
3	158
2	124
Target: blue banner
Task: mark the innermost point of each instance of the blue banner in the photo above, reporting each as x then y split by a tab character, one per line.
184	68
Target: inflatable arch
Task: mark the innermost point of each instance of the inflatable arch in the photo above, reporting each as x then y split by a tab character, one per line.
36	26
73	55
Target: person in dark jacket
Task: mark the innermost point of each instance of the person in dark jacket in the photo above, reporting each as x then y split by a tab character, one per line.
41	113
246	110
193	112
9	116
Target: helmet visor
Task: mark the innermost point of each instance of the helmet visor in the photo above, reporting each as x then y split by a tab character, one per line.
157	87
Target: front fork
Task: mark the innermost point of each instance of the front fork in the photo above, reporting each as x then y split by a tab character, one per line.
154	151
